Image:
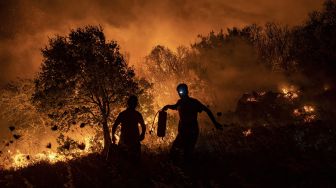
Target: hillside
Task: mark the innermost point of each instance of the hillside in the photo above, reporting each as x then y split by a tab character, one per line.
287	156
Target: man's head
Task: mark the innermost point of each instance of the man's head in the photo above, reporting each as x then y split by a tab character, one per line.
182	90
132	102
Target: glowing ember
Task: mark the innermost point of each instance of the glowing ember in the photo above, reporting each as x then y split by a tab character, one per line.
248	132
310	118
296	112
290	92
251	99
308	109
262	93
307	113
326	87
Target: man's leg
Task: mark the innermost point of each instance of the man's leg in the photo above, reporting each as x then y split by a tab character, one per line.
176	148
189	146
135	152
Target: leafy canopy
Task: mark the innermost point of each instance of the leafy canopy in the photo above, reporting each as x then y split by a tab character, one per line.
82	76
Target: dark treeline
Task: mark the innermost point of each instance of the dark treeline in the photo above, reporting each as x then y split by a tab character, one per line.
304	53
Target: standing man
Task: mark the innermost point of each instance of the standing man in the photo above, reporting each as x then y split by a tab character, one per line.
130	137
188	130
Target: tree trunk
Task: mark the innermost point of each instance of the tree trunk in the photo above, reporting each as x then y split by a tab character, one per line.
107	138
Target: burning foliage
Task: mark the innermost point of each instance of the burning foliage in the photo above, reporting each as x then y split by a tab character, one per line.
276	108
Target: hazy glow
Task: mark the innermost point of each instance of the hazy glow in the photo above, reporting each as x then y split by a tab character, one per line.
136	25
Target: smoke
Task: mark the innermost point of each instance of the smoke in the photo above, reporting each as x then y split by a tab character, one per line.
217	70
235	70
137	25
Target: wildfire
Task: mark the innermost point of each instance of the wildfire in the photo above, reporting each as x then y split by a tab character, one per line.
20	160
16	159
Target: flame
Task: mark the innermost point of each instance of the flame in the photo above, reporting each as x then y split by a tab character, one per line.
296	112
309	118
290	92
88	142
308	108
307	113
20	160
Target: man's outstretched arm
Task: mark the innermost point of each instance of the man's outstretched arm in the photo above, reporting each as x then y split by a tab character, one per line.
172	107
212	117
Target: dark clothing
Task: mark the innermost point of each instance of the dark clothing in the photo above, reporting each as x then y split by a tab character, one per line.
129	120
188	129
188	109
184	143
130	135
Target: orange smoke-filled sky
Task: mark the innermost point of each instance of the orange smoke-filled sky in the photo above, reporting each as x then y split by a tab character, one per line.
137	25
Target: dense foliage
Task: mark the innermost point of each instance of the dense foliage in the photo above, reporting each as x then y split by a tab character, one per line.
83	78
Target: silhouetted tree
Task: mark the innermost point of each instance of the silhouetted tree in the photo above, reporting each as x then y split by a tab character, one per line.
315	45
82	78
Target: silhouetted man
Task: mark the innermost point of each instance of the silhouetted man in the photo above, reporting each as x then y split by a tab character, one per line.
130	137
188	130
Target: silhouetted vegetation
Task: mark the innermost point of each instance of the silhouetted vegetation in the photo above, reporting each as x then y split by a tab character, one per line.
83	78
290	156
